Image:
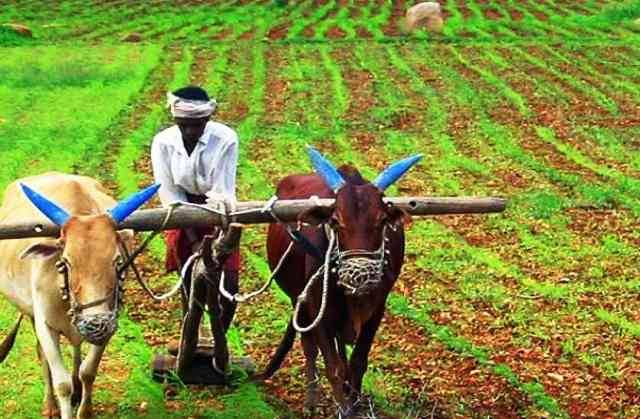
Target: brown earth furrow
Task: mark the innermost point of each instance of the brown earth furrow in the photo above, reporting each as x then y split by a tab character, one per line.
464	10
594	301
563	121
543	114
535	148
392	28
277	87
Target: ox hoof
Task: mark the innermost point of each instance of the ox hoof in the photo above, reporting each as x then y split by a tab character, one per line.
258	377
173	347
76	398
308	411
311	402
51	413
85	412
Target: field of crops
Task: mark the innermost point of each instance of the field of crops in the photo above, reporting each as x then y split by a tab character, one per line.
530	313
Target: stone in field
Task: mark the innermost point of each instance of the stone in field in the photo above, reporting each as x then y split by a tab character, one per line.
556	377
132	37
426	15
18	29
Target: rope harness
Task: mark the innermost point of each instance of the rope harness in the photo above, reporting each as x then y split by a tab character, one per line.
95	328
358	271
325	271
131	258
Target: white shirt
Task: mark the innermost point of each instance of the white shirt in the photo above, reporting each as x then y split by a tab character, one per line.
209	170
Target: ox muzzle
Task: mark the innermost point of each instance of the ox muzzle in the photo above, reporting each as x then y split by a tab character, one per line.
360	272
98	328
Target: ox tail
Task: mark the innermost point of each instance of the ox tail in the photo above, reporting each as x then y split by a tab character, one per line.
7	343
281	353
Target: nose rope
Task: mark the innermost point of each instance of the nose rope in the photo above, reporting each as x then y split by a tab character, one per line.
96	328
355	269
359	269
325	290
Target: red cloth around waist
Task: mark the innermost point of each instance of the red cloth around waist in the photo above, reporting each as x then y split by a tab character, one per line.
179	246
179	250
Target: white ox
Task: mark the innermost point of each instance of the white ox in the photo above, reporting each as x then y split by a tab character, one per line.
70	285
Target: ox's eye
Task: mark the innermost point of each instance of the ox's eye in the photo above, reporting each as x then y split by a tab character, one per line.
118	261
64	262
334	221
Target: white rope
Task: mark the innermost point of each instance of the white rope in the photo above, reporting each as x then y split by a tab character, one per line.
241	298
266	208
237	297
325	290
145	243
188	263
165	296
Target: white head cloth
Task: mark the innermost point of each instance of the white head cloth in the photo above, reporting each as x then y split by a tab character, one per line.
193	109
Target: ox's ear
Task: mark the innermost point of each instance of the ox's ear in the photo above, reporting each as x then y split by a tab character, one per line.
398	216
316	215
126	236
44	250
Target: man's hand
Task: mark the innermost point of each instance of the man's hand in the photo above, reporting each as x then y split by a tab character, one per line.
221	202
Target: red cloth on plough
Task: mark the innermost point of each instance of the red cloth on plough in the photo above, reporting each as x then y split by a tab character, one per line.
179	246
179	250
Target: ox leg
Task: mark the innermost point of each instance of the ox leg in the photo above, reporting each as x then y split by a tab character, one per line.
50	406
360	355
62	384
311	355
76	396
88	370
336	369
341	347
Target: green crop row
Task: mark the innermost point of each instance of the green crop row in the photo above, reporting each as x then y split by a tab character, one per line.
69	87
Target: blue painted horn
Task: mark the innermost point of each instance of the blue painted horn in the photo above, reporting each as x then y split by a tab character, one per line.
128	205
394	172
326	170
51	210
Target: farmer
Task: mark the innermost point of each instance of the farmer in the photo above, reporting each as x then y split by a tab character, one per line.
195	161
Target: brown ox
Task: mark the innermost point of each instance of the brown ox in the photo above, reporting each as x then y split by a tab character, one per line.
365	264
67	286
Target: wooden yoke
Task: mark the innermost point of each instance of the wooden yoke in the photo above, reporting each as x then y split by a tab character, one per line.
252	212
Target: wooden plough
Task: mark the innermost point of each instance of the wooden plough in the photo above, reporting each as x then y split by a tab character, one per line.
193	363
